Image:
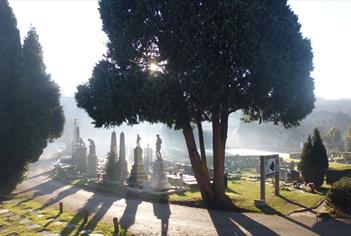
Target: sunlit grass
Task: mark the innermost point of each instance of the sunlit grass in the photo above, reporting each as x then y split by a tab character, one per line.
339	166
47	220
243	194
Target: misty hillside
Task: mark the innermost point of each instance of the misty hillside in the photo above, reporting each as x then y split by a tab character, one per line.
327	114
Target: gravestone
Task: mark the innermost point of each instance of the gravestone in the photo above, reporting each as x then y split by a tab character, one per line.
122	166
159	180
80	156
92	160
138	175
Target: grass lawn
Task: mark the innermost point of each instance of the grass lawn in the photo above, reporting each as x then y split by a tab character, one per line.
243	193
339	166
27	221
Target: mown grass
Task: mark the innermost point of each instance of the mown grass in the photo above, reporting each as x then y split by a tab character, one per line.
339	166
243	193
47	220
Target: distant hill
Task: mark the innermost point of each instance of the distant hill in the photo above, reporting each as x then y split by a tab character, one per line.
327	114
343	105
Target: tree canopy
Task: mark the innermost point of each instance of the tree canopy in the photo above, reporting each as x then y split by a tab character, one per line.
30	112
192	61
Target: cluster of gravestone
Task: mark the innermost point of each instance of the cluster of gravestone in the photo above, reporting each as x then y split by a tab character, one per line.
84	162
139	175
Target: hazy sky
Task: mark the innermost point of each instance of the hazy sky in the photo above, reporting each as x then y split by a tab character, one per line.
72	40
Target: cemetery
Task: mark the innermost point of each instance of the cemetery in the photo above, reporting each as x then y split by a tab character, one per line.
153	177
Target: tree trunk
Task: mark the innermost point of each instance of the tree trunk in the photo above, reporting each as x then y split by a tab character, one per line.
220	129
199	168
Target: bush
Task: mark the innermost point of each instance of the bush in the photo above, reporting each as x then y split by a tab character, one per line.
314	160
333	176
340	195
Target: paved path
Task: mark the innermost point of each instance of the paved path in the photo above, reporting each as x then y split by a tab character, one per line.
144	218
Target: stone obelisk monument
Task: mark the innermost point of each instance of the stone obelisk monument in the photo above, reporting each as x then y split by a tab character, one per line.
122	167
113	143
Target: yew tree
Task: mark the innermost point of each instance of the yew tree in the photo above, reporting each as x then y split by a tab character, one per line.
183	63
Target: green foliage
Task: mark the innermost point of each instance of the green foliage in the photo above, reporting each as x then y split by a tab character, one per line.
213	58
314	159
333	139
110	166
347	139
339	195
232	59
30	112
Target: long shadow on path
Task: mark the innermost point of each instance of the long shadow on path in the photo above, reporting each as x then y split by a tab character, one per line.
97	205
162	212
232	223
128	217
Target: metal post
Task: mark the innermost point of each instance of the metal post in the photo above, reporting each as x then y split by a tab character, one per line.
276	184
60	207
115	225
262	180
85	217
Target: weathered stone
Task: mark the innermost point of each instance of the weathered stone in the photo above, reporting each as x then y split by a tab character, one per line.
159	180
8	214
3	211
138	175
33	226
92	160
14	218
24	221
121	165
81	159
113	142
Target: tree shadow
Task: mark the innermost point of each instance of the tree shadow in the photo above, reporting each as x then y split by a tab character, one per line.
305	208
63	194
162	212
97	205
128	217
234	223
324	226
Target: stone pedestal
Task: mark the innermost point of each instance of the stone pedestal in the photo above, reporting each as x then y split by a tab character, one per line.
92	166
81	159
159	180
138	175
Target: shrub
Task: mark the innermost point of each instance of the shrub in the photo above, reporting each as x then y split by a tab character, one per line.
314	160
333	176
340	195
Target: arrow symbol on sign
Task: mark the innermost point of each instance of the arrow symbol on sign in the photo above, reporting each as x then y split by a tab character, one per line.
272	166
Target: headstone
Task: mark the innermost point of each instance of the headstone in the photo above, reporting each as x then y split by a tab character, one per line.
92	160
80	156
159	180
121	166
138	175
147	158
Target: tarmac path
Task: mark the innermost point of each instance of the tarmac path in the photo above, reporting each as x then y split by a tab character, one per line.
145	218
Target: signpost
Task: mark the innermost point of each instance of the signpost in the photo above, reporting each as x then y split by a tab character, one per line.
269	167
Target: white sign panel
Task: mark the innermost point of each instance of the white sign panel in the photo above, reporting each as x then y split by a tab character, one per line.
271	165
